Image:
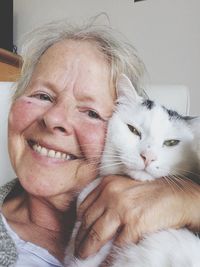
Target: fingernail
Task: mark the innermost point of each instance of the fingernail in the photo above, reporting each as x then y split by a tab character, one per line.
84	251
76	253
79	216
80	253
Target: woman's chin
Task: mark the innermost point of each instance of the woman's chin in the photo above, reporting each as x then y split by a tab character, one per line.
40	180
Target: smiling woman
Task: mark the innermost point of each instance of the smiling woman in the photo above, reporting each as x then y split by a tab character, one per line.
57	134
57	126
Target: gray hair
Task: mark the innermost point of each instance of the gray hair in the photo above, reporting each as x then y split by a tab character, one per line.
121	55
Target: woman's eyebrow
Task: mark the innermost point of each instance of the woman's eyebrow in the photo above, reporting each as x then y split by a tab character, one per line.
86	98
41	82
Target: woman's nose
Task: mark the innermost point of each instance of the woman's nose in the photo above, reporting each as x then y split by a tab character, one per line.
58	120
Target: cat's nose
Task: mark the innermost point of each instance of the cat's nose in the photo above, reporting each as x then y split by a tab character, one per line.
148	157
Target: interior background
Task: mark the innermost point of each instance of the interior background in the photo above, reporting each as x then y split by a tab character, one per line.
166	33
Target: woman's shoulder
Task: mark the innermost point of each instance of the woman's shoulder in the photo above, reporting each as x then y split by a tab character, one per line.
8	252
6	189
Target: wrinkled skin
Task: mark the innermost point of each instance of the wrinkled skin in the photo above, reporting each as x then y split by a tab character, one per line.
127	209
71	80
63	112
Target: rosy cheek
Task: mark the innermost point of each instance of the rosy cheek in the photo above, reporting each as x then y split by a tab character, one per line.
91	139
23	111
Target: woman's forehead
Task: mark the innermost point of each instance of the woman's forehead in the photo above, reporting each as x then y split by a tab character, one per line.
69	62
75	50
76	66
71	56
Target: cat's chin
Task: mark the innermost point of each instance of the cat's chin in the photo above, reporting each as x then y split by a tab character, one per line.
141	175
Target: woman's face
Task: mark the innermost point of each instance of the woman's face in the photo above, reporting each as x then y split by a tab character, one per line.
57	127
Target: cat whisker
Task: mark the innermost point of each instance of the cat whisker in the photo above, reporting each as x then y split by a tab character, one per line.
171	182
99	167
112	155
189	172
110	165
184	182
183	170
177	182
183	176
111	160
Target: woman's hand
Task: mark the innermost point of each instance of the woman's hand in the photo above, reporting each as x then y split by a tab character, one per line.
125	210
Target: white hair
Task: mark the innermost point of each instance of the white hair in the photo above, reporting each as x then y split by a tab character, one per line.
120	54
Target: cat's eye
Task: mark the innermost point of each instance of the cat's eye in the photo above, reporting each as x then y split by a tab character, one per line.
172	142
134	130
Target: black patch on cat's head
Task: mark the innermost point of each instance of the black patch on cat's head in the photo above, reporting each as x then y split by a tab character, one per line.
172	114
175	115
188	118
149	104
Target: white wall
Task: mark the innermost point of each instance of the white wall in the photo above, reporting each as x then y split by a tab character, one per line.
165	32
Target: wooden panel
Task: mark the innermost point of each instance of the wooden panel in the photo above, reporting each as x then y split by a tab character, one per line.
8	72
10	66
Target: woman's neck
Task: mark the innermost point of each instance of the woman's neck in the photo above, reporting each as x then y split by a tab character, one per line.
56	224
45	222
54	214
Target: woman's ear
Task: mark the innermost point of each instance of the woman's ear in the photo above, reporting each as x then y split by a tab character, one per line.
125	90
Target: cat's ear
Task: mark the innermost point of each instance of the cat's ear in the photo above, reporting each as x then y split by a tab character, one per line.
125	89
194	123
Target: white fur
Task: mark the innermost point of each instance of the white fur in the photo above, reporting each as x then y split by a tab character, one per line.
172	248
122	155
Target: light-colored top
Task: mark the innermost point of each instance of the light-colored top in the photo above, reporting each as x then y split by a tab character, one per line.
30	254
15	252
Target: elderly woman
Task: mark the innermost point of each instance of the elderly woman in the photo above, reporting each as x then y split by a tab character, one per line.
57	125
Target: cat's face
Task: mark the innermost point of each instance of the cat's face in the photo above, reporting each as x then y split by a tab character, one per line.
147	141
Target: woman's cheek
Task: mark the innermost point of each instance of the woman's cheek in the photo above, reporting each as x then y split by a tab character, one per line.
23	112
91	138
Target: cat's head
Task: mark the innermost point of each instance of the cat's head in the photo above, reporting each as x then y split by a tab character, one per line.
146	140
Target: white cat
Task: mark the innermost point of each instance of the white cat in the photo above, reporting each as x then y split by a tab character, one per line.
146	141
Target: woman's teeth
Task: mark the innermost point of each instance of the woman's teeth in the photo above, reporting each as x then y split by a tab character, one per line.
51	153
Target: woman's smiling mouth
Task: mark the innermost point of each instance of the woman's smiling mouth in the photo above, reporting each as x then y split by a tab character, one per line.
42	150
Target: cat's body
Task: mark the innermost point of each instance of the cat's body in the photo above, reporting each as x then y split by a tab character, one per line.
146	141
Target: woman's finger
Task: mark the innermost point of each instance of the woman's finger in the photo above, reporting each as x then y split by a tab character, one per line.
88	201
109	260
107	196
128	235
88	219
103	230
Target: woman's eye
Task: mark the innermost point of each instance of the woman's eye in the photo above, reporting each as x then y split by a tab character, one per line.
42	96
172	142
93	114
134	130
